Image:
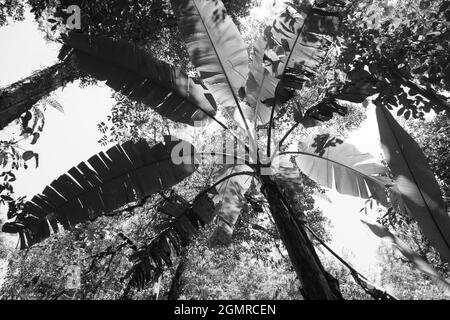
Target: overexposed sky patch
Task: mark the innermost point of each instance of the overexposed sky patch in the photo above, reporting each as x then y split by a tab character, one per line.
24	50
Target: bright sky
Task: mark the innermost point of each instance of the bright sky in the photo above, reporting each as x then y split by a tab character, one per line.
72	137
67	138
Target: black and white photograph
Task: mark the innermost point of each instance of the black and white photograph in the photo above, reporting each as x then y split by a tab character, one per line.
224	158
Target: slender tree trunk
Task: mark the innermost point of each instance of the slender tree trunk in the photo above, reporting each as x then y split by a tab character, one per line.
317	283
176	287
24	94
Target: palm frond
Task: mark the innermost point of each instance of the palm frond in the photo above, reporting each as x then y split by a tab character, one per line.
125	173
136	74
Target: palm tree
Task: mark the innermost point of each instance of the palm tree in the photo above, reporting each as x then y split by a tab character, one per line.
288	54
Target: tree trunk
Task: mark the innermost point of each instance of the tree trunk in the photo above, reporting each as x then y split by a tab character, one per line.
176	287
317	283
24	94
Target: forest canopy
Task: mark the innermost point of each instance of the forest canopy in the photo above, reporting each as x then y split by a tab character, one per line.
231	119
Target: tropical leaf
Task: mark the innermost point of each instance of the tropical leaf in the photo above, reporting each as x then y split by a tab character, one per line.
334	164
300	37
418	262
215	46
415	181
126	173
229	201
136	74
287	175
183	220
262	84
288	55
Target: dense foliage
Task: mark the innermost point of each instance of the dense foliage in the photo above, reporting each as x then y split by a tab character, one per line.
387	48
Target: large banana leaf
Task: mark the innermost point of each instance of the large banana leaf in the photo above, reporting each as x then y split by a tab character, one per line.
182	222
335	164
215	46
262	84
415	181
288	55
136	74
229	201
125	174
